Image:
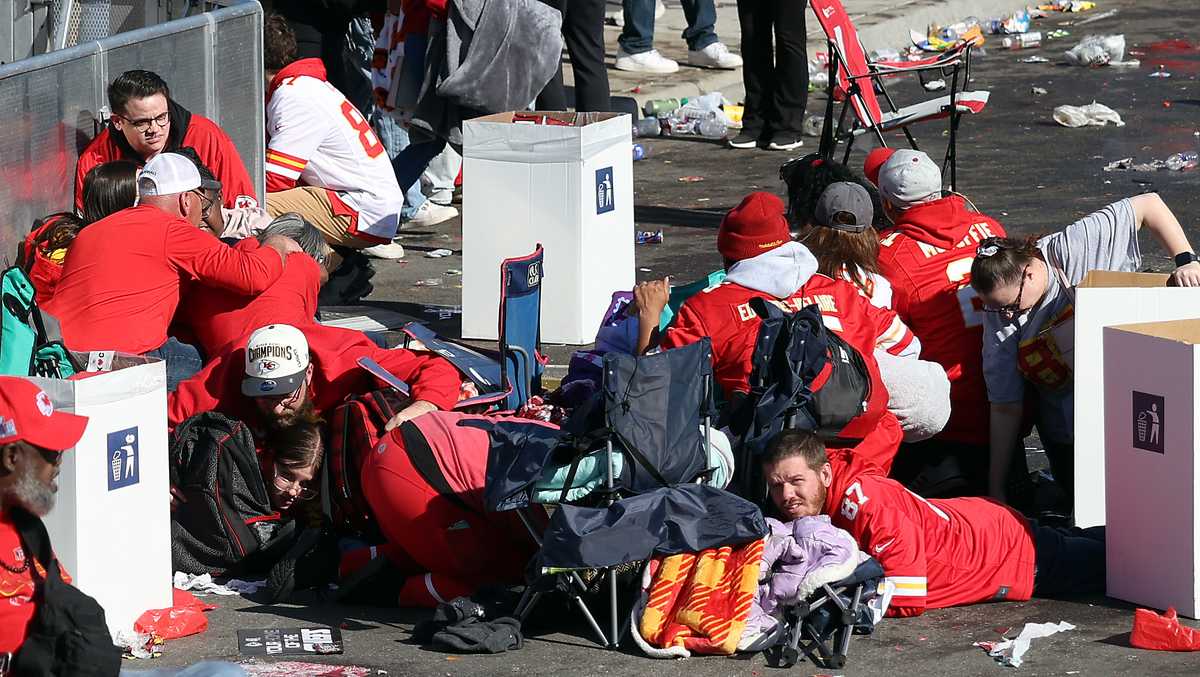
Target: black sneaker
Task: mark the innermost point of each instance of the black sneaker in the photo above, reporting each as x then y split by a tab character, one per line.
744	139
785	142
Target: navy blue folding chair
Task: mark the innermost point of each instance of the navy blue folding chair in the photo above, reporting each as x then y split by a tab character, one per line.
507	378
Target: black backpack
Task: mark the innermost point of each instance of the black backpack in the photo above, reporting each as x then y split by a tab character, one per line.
68	635
227	525
791	351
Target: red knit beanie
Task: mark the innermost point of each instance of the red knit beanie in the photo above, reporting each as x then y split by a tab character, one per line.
874	162
755	226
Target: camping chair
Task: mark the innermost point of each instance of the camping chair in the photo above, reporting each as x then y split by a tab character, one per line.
507	378
821	626
650	408
853	76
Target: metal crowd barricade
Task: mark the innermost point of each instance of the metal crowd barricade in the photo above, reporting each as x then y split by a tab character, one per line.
52	105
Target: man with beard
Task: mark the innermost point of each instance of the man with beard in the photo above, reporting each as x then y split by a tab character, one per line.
32	438
283	374
936	553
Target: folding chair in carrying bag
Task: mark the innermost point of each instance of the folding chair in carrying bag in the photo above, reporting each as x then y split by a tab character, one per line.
856	78
821	626
507	378
654	412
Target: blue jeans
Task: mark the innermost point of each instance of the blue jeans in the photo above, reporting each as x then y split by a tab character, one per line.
394	138
410	164
183	361
638	34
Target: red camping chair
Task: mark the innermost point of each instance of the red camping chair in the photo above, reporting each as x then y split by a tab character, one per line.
854	79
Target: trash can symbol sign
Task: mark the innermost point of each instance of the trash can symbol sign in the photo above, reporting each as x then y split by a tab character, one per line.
1149	422
123	466
605	199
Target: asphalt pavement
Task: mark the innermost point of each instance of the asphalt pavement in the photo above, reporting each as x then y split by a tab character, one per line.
1016	164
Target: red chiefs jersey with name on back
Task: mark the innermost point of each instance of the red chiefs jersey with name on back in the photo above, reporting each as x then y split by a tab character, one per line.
723	313
930	272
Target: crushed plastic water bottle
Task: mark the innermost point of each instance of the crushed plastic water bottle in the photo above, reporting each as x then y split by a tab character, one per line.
813	125
1183	161
711	127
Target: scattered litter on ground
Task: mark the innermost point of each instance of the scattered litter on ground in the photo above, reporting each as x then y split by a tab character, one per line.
1038	91
313	640
1162	632
138	645
300	669
935	85
649	237
1023	41
428	282
1097	17
1068	6
438	253
1119	165
453	271
1009	651
1058	34
1035	59
644	270
204	584
1100	50
691	179
639	152
1161	72
1014	23
812	125
1096	114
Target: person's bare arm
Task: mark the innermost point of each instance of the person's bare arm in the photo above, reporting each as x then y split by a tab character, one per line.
650	298
1154	214
1005	433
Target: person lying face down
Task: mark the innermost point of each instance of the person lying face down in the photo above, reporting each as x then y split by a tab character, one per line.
935	553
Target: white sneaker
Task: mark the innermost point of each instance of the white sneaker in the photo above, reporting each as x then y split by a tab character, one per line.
645	62
659	9
716	55
431	214
391	251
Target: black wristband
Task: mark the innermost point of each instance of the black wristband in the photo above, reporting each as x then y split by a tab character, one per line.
1185	258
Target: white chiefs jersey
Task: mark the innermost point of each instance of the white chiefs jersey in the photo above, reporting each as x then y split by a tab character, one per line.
318	138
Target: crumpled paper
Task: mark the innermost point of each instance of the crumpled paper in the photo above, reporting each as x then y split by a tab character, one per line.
1009	652
1096	114
203	584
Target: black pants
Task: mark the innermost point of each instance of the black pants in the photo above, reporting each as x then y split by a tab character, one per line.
583	33
1070	561
776	76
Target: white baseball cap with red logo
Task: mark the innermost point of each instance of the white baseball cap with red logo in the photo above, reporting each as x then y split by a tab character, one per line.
276	361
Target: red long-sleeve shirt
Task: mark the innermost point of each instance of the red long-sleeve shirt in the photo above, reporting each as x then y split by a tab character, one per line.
121	281
219	318
336	375
212	144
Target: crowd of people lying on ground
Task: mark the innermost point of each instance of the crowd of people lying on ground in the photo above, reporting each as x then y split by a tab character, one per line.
951	323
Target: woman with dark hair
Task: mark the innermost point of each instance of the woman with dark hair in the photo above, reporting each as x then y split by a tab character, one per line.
108	188
1027	291
291	461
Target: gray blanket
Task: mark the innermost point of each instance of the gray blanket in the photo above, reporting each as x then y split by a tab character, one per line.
489	56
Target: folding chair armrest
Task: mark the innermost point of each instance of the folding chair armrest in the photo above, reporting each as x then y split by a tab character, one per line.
917	68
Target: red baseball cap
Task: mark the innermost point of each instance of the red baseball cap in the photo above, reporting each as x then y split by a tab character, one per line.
874	161
756	226
28	415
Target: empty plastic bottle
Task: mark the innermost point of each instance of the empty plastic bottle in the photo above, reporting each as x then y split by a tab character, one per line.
711	127
1181	161
647	127
1023	40
659	107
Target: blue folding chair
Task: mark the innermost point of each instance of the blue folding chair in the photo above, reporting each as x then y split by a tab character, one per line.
506	379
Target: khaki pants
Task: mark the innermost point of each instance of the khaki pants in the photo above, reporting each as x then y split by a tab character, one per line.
318	208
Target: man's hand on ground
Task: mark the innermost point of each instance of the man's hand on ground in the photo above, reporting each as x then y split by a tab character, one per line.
410	412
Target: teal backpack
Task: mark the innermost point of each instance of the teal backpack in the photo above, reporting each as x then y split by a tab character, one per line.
25	348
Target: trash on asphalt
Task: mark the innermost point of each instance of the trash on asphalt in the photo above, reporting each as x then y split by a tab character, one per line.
1160	73
1162	632
1067	6
438	253
1097	50
138	645
453	272
935	85
1058	34
1010	652
1097	17
1038	91
691	179
1095	114
647	127
428	282
1014	23
1119	165
1023	41
649	237
812	125
1177	162
639	152
204	584
1035	59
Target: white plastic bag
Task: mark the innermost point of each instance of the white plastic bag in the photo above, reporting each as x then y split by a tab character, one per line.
1097	50
1092	114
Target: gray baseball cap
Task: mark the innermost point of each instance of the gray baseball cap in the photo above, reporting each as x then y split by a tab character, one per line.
845	206
909	177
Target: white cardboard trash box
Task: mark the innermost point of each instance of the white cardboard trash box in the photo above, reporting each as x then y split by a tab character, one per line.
111	524
1102	299
569	188
1151	381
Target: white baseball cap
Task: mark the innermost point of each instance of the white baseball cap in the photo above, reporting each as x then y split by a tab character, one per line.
167	174
276	361
909	177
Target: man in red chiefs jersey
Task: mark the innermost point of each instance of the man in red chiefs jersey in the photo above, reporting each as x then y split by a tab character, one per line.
927	256
935	553
763	261
146	121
